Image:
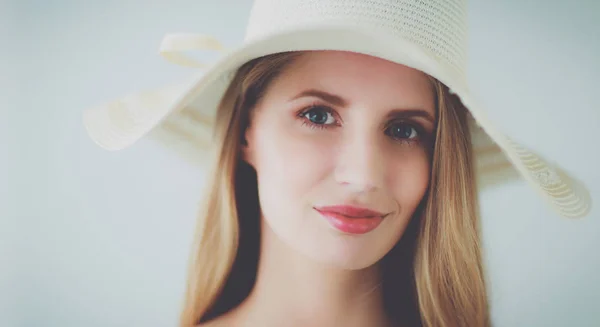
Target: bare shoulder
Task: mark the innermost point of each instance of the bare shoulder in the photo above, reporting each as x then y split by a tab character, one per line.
213	323
221	321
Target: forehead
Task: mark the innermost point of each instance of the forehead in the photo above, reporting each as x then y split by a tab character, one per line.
357	78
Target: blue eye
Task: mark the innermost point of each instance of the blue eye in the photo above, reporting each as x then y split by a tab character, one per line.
403	132
319	116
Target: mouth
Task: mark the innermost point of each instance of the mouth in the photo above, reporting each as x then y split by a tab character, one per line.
350	219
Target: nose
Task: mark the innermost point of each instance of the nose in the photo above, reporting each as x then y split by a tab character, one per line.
361	164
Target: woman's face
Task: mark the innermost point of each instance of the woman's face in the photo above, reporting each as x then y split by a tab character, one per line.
337	132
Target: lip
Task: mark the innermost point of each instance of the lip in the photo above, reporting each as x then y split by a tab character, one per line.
351	220
350	211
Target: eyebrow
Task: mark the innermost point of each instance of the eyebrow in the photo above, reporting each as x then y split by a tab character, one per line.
402	113
328	97
338	101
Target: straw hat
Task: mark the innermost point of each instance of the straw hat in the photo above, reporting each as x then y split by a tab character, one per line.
428	35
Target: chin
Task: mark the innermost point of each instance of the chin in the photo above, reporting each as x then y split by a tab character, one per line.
327	245
350	252
347	262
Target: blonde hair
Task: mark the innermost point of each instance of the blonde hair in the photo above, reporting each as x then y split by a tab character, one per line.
432	277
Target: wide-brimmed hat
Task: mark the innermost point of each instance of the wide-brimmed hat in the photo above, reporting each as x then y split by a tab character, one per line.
428	35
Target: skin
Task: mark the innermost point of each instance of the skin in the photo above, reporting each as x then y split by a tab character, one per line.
368	146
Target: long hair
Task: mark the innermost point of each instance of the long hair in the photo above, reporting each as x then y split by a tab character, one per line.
432	277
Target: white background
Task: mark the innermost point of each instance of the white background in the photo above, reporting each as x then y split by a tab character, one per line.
94	238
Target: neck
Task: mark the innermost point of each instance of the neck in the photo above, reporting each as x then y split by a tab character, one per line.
293	290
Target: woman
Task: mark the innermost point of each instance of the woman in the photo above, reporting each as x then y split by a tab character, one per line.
344	173
326	136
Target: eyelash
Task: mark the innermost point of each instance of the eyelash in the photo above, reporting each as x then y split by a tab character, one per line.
306	122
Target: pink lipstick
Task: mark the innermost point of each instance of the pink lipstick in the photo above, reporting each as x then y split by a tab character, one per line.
351	220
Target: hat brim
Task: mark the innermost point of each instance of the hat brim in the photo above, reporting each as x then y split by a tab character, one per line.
181	115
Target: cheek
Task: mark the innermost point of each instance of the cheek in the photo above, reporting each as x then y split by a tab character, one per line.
289	164
409	177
